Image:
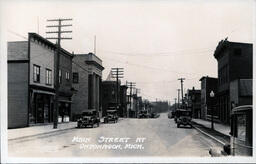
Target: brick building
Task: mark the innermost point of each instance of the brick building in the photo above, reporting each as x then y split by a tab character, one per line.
194	102
65	85
123	101
234	62
87	72
208	84
109	95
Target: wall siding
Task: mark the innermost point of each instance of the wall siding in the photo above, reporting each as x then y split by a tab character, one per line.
17	95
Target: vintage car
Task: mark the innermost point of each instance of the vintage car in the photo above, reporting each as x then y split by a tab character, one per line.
111	116
183	117
143	114
241	131
88	118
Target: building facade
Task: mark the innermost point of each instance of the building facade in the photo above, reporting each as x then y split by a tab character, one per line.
87	72
208	84
123	101
109	96
234	62
65	85
194	102
31	82
31	72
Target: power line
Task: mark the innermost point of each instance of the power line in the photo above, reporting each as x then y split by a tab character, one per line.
145	66
156	54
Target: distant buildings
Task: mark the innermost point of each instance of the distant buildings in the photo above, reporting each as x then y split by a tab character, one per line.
109	97
194	102
208	84
234	65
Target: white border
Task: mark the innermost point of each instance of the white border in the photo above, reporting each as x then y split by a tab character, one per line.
3	105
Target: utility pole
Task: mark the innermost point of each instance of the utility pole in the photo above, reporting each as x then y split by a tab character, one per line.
130	85
178	98
175	103
181	83
117	73
57	80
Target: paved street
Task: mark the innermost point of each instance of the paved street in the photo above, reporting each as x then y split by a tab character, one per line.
162	138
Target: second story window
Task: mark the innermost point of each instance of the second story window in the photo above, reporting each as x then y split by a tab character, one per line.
60	76
48	77
36	73
67	76
75	77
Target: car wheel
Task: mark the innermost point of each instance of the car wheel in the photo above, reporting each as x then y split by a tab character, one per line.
98	124
178	125
78	126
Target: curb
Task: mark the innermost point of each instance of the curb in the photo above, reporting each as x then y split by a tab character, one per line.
210	136
208	127
39	134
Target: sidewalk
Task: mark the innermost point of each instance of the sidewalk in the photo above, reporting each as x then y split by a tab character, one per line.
224	129
41	129
38	130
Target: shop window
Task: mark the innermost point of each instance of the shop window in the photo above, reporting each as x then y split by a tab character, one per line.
75	77
48	77
36	73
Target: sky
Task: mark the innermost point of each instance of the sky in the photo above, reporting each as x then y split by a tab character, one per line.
155	41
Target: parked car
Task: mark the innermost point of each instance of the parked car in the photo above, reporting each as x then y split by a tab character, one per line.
183	117
111	116
170	114
241	131
88	118
143	114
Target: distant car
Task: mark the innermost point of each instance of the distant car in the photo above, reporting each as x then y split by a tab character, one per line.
111	116
143	114
154	115
183	117
88	118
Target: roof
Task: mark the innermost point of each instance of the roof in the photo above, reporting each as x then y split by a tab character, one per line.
225	44
207	77
45	41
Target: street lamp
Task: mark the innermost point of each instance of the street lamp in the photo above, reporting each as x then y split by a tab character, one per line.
212	96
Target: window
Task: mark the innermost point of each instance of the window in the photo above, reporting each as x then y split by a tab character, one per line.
60	76
75	77
36	73
48	77
67	76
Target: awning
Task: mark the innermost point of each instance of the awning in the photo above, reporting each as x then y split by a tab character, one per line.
43	92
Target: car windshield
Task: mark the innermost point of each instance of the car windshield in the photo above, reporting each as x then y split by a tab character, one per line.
143	112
